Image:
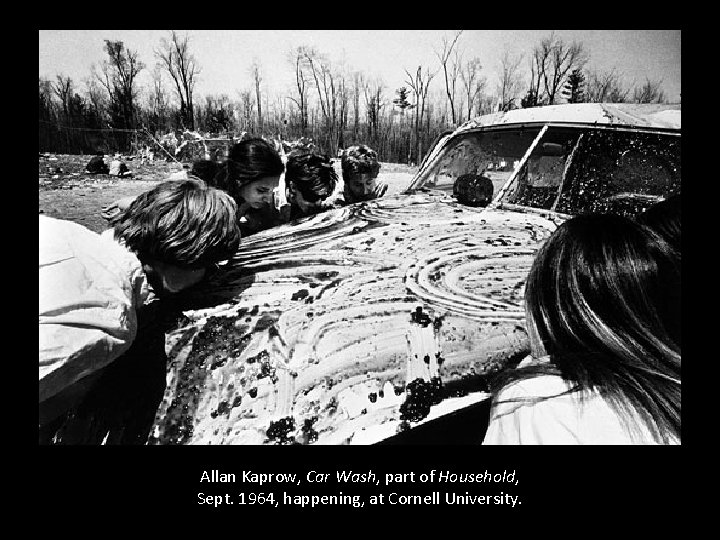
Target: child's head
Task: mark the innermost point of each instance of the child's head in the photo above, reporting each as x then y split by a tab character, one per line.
178	230
603	301
360	169
252	173
310	179
601	280
256	159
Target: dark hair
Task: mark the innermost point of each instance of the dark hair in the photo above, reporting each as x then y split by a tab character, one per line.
603	299
359	159
312	175
250	160
473	189
183	223
664	219
205	170
256	158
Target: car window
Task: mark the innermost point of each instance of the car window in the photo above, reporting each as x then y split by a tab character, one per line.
621	172
539	181
494	154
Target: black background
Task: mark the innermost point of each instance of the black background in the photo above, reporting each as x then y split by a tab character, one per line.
580	490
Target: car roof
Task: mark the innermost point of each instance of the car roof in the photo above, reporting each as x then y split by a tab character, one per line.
659	116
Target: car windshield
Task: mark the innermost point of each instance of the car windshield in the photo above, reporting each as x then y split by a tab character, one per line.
571	170
493	154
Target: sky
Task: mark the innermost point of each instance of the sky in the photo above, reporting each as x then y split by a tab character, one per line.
225	56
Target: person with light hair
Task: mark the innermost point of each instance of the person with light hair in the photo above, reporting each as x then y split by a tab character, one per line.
93	286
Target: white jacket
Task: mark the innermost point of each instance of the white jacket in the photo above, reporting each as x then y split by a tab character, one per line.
520	415
90	290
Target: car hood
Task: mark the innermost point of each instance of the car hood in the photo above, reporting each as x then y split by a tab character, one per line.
315	331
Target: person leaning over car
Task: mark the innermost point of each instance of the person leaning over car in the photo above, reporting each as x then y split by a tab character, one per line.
605	336
360	169
250	175
310	180
92	286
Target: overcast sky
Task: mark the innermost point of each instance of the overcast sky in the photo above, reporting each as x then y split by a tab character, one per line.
226	55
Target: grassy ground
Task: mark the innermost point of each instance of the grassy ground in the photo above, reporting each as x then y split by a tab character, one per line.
67	192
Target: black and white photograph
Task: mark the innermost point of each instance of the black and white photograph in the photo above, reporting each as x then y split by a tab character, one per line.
359	237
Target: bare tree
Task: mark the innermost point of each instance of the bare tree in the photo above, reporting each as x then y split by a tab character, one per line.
176	58
302	85
358	83
454	70
118	78
373	90
257	79
554	60
650	92
344	99
158	101
509	80
247	108
605	87
63	90
95	97
485	104
473	83
104	79
47	108
538	61
420	84
327	82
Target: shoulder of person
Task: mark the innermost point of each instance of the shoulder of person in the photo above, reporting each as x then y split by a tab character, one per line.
538	386
536	410
179	175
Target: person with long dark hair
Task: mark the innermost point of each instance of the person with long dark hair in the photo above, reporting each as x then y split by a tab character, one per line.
664	218
602	302
251	175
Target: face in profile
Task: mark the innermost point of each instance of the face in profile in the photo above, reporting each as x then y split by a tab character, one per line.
259	193
362	186
169	279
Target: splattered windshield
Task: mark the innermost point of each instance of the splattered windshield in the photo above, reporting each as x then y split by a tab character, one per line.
570	170
493	154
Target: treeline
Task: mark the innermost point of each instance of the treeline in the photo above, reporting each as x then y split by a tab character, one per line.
329	102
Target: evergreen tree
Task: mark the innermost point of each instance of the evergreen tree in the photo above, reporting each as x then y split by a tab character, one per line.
402	101
574	89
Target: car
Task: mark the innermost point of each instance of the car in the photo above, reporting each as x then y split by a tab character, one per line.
374	322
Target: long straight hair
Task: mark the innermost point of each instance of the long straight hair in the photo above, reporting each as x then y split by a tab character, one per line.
603	302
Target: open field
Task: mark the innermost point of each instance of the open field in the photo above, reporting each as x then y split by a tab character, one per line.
67	192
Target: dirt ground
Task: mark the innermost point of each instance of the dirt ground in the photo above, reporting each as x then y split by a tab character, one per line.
67	192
